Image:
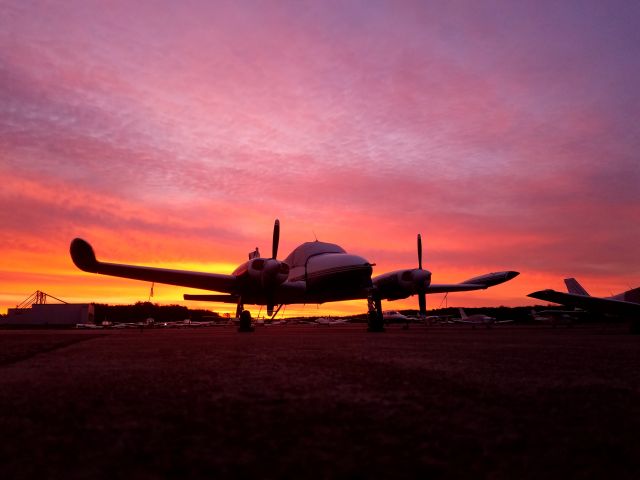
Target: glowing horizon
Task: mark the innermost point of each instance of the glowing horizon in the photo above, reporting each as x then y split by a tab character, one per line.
172	135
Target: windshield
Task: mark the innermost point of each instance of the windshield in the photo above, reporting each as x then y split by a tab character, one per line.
300	255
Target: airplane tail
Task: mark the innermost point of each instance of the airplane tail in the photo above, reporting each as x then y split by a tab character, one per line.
462	314
574	287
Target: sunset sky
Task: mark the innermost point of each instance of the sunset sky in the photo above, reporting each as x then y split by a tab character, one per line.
172	134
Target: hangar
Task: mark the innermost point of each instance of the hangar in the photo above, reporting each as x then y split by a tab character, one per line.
34	311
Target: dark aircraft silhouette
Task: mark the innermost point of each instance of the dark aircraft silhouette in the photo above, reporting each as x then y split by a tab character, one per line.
314	272
626	304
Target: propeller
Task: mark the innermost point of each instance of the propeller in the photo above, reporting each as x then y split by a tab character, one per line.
276	239
422	296
274	254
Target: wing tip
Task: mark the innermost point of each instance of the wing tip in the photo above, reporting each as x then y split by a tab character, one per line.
83	255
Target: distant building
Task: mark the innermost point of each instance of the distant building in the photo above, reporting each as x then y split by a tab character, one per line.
53	314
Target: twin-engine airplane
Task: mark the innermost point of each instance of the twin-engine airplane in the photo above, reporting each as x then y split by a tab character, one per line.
315	272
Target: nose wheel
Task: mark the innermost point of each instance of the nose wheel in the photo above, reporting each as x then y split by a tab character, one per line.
376	322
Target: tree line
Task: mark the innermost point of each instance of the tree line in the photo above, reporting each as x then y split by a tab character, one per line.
140	311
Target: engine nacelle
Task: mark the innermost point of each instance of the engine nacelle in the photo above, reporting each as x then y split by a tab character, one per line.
402	283
268	273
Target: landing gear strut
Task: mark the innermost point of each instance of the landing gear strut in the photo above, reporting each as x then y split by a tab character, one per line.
376	322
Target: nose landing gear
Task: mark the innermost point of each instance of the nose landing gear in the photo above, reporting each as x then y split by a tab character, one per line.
376	322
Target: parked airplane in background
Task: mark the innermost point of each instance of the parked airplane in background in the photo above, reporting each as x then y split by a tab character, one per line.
626	304
331	321
315	272
555	317
188	323
478	319
149	322
90	326
392	316
439	319
269	322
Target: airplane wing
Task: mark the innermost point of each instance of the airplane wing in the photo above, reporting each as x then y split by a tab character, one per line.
604	305
476	283
453	287
84	258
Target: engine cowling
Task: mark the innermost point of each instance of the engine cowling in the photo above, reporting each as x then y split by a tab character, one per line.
402	283
267	272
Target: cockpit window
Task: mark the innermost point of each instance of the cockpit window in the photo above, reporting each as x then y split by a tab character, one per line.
300	255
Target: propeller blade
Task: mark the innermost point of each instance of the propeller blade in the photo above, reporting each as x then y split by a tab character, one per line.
276	239
422	301
422	296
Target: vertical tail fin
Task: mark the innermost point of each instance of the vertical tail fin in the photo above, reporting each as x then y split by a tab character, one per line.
462	314
574	287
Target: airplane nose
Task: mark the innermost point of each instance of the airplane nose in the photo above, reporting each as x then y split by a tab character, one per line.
338	271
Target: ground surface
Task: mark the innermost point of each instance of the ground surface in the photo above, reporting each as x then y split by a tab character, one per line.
321	402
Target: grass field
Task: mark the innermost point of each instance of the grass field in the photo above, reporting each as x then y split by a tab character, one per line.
321	402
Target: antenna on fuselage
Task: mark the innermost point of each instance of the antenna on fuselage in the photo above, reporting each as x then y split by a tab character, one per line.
314	235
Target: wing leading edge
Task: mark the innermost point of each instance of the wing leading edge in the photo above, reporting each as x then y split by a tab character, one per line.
481	282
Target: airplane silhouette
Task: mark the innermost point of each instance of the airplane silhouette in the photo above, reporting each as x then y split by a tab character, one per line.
626	304
478	319
314	272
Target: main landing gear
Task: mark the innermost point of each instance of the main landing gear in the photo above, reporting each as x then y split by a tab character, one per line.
245	322
376	321
245	318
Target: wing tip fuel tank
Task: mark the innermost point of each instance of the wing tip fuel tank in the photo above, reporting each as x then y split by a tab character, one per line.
83	255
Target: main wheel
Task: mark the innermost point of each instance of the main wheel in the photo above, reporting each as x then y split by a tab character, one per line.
245	322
